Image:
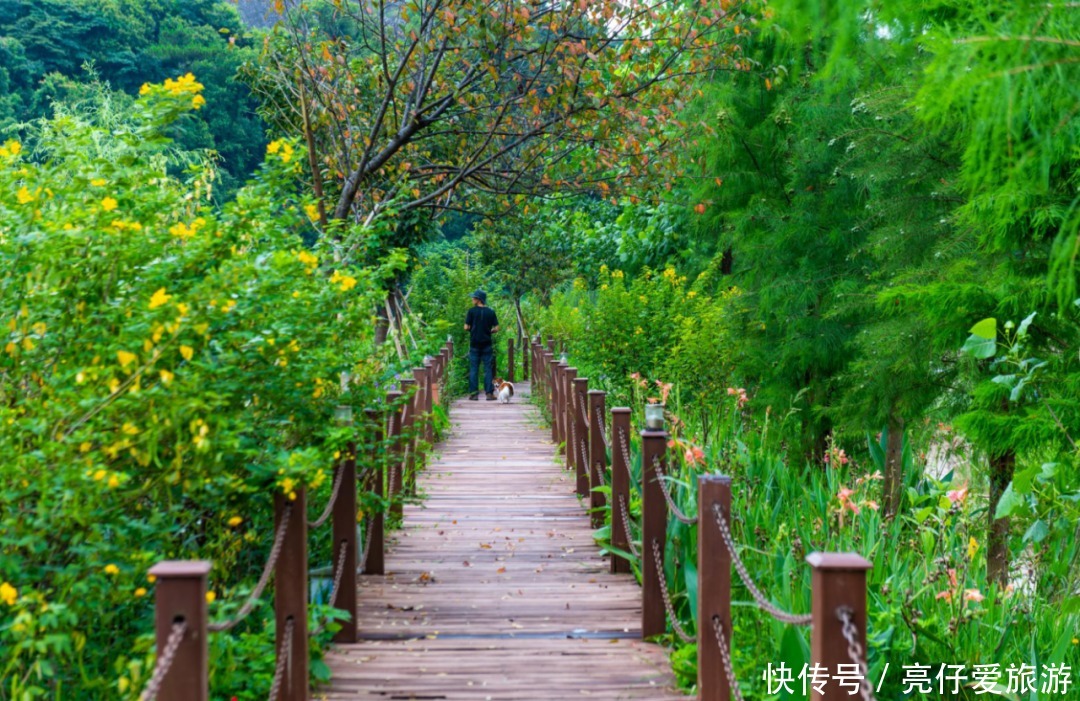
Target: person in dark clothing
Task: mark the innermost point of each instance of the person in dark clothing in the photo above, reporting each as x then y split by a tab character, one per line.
481	322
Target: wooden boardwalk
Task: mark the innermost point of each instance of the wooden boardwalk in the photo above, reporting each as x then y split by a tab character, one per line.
494	588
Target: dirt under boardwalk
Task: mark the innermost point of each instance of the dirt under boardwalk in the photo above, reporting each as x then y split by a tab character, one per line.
494	589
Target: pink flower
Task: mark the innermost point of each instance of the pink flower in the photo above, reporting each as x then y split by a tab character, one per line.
973	595
957	496
947	595
871	505
665	390
844	495
952	577
693	455
731	391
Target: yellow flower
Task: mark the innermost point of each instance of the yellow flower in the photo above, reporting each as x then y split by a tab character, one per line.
210	597
8	594
346	282
166	376
144	89
312	212
187	352
85	447
198	101
100	475
97	182
235	521
141	591
273	147
11	148
125	358
159	298
24	196
28	343
113	482
151	578
973	547
308	259
112	569
182	308
181	230
109	204
130	429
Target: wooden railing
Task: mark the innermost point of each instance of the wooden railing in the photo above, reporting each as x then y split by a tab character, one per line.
181	621
579	425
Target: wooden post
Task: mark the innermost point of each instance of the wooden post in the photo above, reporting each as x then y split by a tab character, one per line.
291	594
569	429
580	450
375	482
714	587
435	365
509	360
838	581
396	476
408	386
597	456
557	369
525	361
343	526
620	486
423	395
653	528
180	595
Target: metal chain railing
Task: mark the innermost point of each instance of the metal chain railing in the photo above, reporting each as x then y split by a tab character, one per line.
725	654
624	442
603	432
658	559
164	661
855	650
624	512
584	454
284	658
665	487
763	603
339	570
264	578
368	530
599	467
317	523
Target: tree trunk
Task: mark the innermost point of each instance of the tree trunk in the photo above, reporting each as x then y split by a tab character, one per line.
727	262
382	324
997	541
893	485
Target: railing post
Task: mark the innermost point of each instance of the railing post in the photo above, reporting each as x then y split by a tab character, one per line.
597	456
525	350
620	487
654	528
429	401
567	412
714	587
180	595
557	367
396	475
291	594
509	360
408	386
578	391
423	395
838	582
543	375
343	527
433	363
375	482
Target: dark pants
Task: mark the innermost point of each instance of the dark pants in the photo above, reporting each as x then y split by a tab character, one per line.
486	356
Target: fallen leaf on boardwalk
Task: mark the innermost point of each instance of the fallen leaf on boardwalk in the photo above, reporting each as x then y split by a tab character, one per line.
466	563
485	546
501	570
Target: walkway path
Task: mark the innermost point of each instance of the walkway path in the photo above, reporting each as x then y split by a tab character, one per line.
494	589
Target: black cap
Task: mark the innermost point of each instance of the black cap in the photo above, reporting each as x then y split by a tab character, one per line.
480	295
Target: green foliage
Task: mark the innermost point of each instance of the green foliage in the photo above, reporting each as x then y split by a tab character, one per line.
152	402
50	49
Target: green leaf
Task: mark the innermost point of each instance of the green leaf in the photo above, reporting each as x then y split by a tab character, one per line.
979	347
922	514
986	329
1037	532
1022	331
1008	503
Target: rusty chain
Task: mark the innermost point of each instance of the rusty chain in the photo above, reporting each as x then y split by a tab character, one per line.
368	530
625	515
666	595
338	478
164	661
339	570
603	432
763	603
855	650
284	657
665	487
264	578
725	654
600	476
625	445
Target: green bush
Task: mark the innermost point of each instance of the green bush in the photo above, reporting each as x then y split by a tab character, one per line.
166	365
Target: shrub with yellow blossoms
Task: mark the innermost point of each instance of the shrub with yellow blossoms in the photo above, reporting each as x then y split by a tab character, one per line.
152	346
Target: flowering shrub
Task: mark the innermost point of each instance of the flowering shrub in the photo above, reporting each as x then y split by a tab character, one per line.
164	366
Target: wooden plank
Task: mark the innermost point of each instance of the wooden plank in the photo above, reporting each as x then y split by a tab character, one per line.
494	589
